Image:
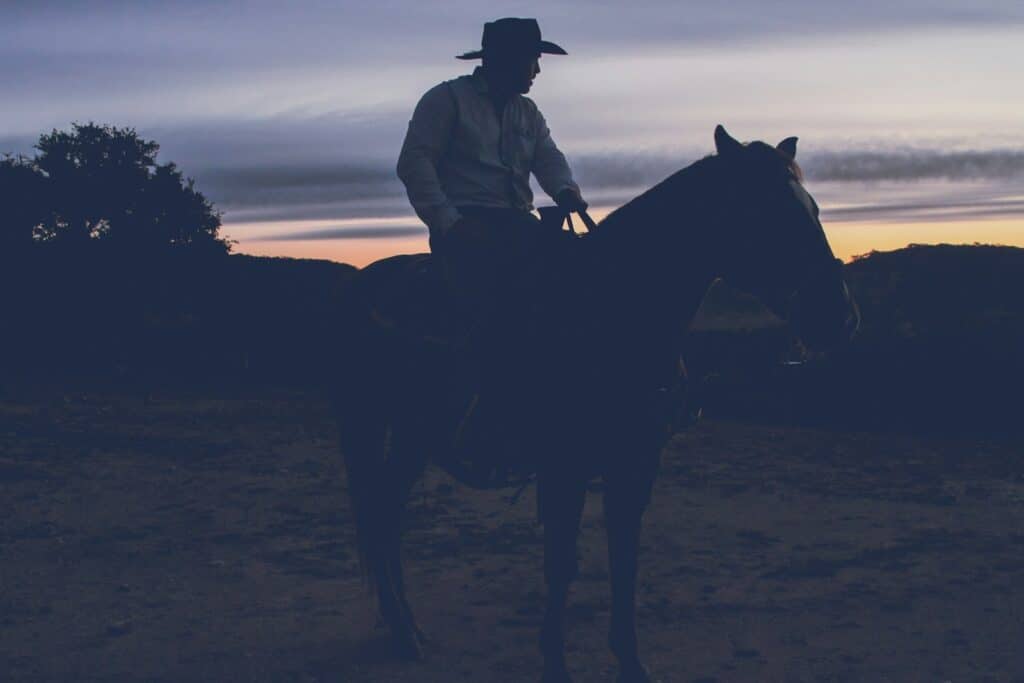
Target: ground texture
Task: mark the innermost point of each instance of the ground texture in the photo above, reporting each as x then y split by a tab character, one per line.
180	538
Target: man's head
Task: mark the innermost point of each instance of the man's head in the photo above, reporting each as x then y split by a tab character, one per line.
511	48
512	73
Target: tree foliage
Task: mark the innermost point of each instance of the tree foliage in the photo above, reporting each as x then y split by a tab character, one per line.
22	203
102	184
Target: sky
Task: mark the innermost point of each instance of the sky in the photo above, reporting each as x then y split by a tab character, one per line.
290	116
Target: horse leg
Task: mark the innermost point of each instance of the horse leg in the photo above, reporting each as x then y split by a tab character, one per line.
401	470
404	467
379	479
561	504
625	499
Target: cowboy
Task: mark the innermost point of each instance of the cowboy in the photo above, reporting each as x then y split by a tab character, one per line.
472	144
466	162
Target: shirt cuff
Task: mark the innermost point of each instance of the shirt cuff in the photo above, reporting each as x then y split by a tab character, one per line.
568	185
446	218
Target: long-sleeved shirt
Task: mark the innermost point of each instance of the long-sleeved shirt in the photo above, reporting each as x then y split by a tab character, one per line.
458	152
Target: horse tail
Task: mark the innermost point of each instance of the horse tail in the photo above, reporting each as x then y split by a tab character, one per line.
355	393
363	450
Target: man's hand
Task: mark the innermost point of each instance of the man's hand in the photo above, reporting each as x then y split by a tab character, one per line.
467	232
570	200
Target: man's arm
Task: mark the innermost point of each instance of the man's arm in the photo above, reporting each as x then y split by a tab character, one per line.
550	166
426	140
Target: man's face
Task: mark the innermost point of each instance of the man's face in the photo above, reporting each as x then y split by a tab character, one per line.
516	73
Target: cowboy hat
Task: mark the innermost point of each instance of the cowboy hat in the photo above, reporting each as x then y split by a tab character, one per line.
512	35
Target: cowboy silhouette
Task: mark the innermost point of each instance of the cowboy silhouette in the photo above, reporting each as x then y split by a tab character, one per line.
473	142
466	162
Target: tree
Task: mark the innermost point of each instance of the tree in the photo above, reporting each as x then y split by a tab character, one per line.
22	203
102	184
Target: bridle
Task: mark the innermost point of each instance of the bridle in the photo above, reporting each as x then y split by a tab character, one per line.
814	273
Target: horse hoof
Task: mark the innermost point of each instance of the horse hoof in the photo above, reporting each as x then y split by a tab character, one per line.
408	647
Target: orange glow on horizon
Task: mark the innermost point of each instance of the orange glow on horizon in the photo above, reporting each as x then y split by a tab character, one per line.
848	239
356	252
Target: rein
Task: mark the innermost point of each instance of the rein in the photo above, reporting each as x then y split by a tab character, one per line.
555	213
587	221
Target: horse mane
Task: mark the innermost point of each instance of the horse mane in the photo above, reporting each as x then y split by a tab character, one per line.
788	162
794	168
660	199
682	207
661	195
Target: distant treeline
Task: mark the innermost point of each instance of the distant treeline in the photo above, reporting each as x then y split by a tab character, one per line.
940	345
939	348
174	317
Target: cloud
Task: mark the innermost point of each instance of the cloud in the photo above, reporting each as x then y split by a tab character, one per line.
915	165
388	207
618	170
298	186
171	61
341	167
264	32
931	205
631	170
370	188
346	233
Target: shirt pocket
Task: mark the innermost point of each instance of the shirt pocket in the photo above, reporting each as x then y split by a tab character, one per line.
523	144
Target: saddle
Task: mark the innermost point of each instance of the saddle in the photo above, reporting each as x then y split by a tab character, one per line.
410	303
408	295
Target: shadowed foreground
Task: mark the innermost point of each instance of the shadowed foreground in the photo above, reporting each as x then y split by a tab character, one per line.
187	538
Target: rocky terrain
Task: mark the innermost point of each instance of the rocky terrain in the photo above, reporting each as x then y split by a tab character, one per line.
187	537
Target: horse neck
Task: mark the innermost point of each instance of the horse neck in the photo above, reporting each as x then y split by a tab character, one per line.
660	248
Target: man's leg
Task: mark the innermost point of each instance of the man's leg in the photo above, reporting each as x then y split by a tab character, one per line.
468	260
508	342
493	271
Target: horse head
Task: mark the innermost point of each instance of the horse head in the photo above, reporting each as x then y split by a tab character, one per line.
772	243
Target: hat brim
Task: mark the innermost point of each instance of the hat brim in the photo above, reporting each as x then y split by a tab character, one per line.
545	47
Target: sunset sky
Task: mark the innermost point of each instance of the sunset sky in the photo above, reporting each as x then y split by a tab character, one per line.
290	115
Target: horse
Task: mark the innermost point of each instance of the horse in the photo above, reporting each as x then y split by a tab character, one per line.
600	403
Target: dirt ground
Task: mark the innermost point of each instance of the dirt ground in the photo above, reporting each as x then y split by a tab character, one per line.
177	538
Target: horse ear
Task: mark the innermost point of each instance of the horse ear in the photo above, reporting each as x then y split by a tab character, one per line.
788	147
725	143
